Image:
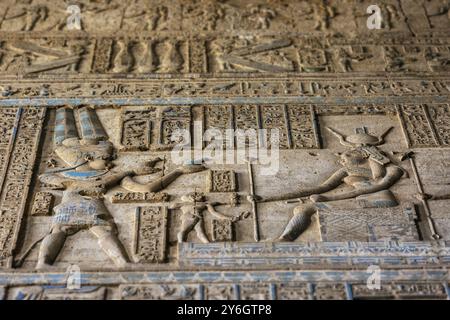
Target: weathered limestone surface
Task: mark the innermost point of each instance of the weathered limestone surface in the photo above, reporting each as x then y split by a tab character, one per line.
88	120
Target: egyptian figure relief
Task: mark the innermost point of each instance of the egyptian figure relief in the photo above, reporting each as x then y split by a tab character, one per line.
351	130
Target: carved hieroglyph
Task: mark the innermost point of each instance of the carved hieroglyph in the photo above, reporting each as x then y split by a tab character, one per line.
89	119
22	128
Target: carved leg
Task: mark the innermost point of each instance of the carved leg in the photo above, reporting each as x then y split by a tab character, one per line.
201	232
110	244
187	224
298	223
50	248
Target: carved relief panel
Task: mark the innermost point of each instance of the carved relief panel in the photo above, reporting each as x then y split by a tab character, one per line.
357	176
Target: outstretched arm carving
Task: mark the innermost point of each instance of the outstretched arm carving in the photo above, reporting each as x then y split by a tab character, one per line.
331	183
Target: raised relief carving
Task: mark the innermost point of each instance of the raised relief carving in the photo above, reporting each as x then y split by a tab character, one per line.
43	204
173	121
220	119
154	128
139	197
137	126
263	57
346	58
89	174
160	292
222	230
255	292
294	291
369	224
151	234
440	117
28	15
303	127
401	291
23	141
220	292
417	126
222	181
313	56
89	117
23	56
44	293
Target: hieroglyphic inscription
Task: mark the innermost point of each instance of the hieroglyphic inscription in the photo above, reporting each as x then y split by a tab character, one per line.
329	291
43	202
219	119
222	230
137	128
416	126
198	89
303	127
14	191
45	293
220	292
102	55
222	181
151	234
401	291
153	127
173	123
160	292
197	56
293	291
8	117
425	126
313	56
201	53
296	124
275	117
246	119
255	292
440	117
353	110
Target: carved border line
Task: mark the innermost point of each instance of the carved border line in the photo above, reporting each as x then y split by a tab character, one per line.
238	276
246	255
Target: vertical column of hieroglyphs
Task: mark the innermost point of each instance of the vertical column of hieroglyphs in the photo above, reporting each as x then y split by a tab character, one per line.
197	56
247	120
219	119
150	235
23	133
102	55
275	117
137	126
303	127
417	127
440	117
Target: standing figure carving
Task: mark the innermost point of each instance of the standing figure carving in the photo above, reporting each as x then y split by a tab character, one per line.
88	174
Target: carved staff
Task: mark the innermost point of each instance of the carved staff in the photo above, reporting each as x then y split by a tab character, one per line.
253	202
